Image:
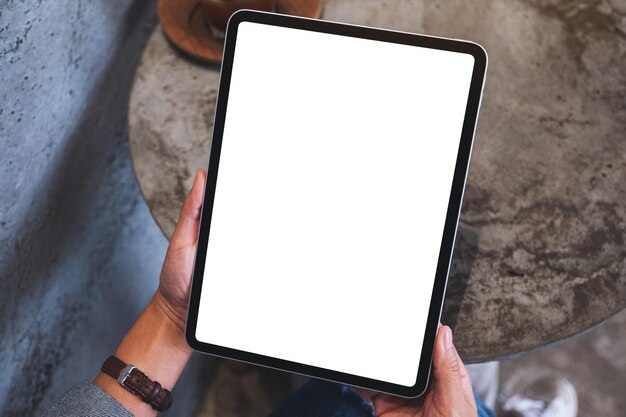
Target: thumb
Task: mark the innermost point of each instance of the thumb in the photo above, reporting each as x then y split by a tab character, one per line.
186	231
452	387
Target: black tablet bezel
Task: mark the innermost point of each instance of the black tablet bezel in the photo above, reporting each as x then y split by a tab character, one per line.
452	216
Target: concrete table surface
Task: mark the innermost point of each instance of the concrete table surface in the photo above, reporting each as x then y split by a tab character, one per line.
541	250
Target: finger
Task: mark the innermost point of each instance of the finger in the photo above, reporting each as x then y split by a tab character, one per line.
466	382
449	368
186	231
452	385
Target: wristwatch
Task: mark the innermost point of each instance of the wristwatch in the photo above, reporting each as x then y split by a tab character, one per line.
138	383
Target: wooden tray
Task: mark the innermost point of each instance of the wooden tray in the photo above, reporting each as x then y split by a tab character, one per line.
184	25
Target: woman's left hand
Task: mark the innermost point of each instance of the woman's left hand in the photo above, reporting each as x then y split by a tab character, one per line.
173	293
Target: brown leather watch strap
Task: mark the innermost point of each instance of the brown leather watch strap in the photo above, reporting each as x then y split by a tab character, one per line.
138	383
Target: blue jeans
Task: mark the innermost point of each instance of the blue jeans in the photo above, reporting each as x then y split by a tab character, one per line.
326	399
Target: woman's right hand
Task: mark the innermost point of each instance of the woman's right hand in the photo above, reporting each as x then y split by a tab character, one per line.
449	395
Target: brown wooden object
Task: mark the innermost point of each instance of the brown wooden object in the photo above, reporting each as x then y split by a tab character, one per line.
184	25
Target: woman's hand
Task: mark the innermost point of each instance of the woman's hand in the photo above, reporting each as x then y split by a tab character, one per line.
450	392
173	293
156	342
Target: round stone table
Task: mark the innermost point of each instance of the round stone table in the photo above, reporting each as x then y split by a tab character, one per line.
541	250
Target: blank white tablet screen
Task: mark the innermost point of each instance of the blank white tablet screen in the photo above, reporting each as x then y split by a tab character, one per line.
334	177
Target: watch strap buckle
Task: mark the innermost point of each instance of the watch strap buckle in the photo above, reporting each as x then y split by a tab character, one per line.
125	374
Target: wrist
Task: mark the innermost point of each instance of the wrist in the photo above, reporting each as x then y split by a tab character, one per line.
156	345
175	316
172	326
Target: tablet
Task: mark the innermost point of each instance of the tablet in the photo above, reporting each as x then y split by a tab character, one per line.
336	174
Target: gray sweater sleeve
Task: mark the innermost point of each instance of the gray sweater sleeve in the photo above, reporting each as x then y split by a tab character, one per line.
87	400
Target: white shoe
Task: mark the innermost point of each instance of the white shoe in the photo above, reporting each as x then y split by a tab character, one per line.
544	397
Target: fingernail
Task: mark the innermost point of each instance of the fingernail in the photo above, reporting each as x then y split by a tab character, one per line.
196	179
447	337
